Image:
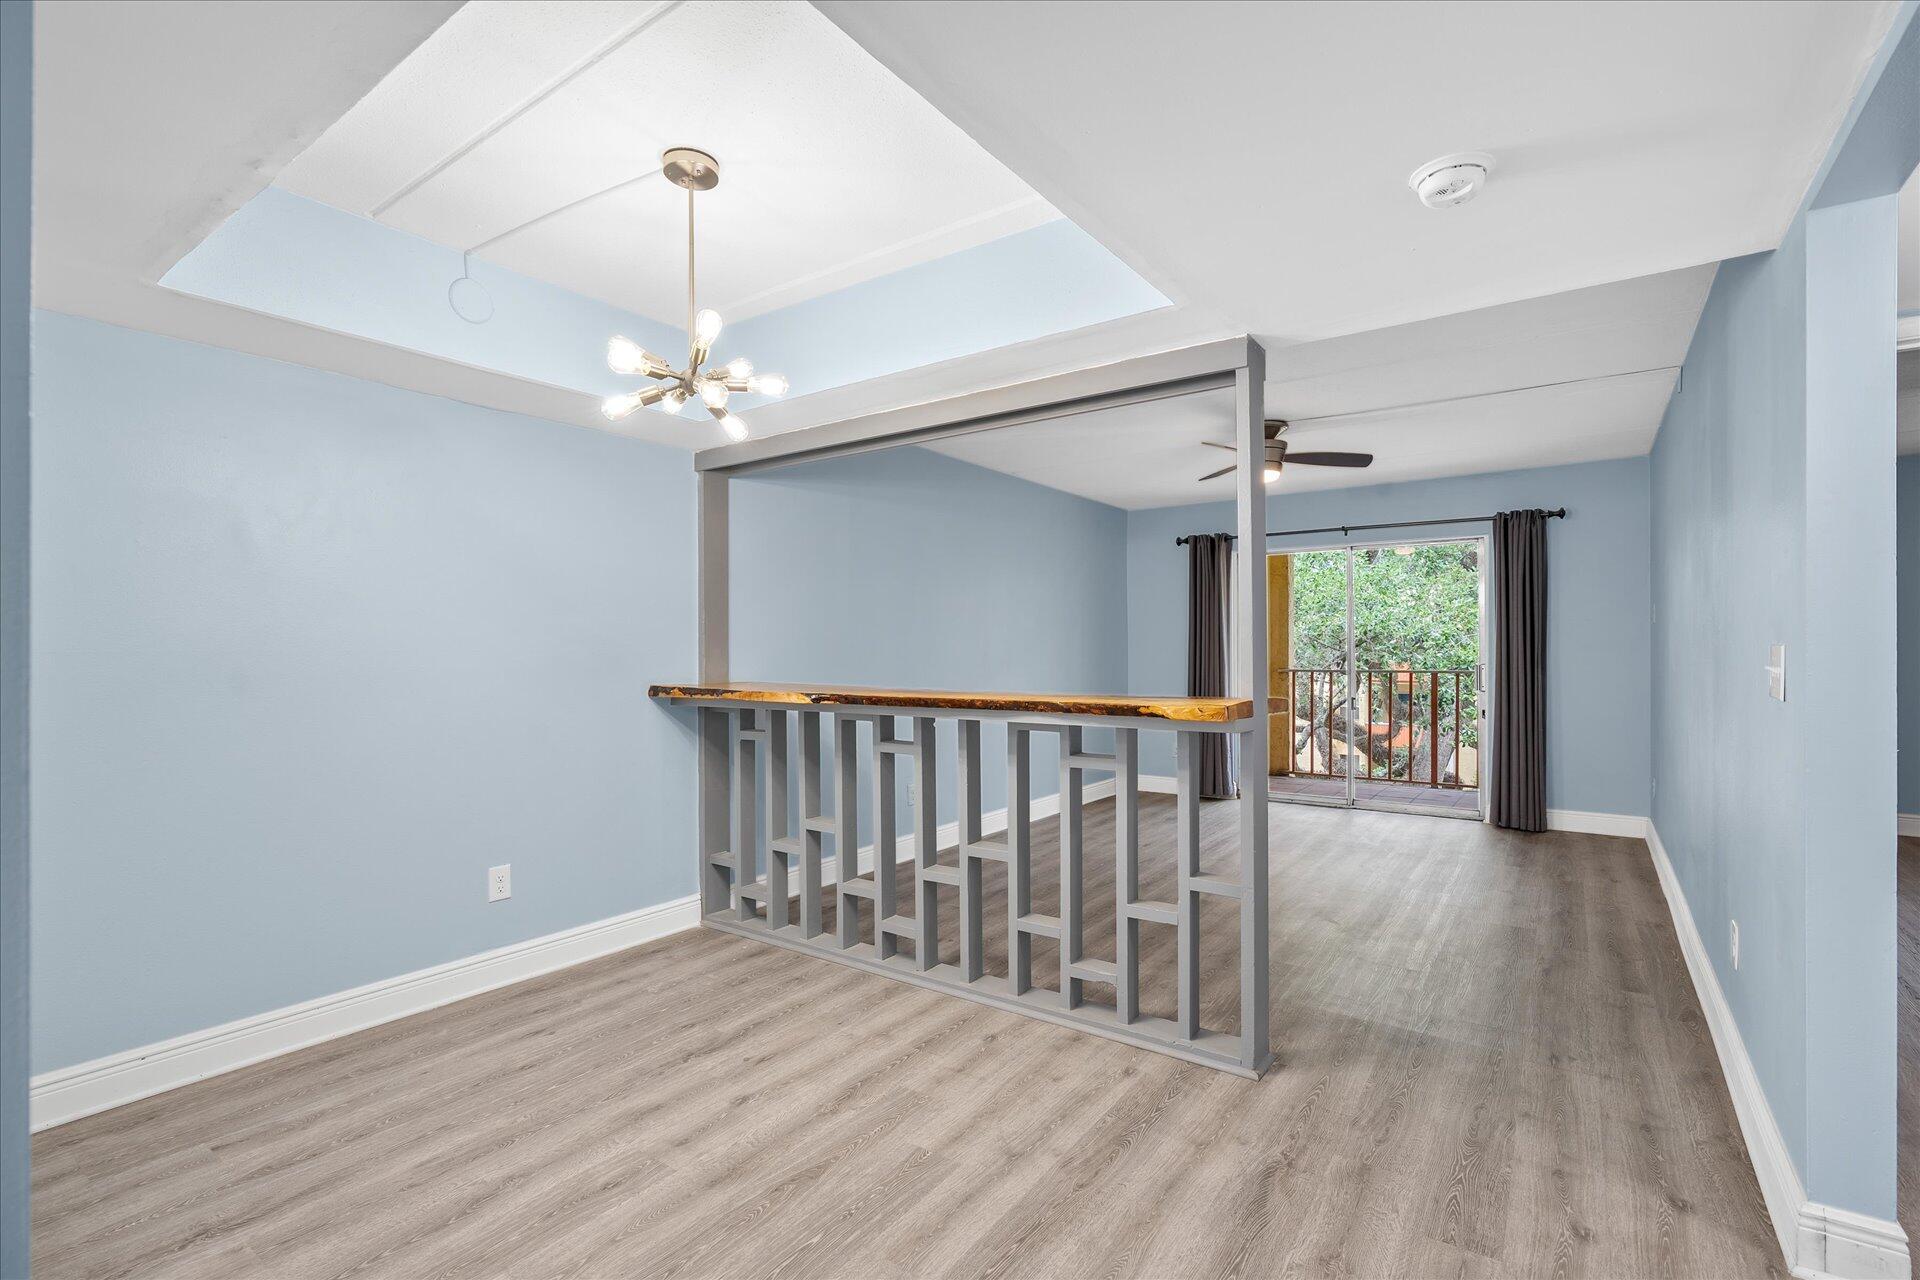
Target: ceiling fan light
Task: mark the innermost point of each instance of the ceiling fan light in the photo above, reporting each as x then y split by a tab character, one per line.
1270	474
714	393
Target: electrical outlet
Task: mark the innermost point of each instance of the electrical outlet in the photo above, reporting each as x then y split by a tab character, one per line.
1777	672
499	882
1733	938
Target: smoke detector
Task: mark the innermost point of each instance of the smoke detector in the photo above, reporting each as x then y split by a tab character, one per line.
1451	180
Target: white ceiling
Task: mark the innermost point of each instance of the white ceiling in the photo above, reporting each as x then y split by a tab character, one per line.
140	152
1572	378
1252	159
833	171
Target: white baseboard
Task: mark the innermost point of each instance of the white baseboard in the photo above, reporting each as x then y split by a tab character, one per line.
1910	824
1597	824
1818	1240
81	1090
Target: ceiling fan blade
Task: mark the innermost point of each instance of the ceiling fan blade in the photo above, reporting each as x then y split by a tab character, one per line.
1215	444
1215	475
1332	459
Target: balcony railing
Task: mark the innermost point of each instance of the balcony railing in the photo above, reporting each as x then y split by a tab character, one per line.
1415	726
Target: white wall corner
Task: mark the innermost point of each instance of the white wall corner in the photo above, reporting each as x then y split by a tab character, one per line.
1819	1242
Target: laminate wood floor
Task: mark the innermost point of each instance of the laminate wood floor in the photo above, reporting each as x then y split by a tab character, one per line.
1490	1063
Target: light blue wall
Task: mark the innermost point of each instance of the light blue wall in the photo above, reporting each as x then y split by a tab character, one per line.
286	255
1907	560
16	189
311	654
1597	603
912	569
1729	513
1852	791
1774	514
1048	279
290	256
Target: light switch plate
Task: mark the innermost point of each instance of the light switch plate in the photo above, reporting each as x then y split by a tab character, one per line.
1777	673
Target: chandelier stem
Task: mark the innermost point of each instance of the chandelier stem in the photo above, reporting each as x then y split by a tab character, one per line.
693	367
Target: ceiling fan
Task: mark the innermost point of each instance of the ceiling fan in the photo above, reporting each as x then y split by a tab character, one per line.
1277	454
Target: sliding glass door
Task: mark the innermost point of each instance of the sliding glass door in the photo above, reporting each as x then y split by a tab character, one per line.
1380	663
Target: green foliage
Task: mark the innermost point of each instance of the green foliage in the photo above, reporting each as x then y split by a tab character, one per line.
1414	607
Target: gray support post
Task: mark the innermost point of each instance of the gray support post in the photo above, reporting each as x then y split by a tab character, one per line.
846	825
710	553
972	934
714	766
715	838
1071	825
886	839
810	817
1126	873
1186	768
926	846
778	916
746	840
1019	860
1250	681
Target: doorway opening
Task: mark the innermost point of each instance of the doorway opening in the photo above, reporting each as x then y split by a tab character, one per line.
1377	662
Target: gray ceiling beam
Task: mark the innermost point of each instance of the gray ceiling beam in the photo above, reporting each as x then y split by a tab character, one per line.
1209	366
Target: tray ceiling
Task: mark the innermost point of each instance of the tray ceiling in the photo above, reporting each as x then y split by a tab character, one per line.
833	170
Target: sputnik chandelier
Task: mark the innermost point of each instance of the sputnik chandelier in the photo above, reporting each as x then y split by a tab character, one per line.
674	388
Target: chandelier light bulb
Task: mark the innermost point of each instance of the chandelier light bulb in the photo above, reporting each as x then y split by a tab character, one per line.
618	407
706	327
739	369
767	384
735	428
714	392
674	400
624	355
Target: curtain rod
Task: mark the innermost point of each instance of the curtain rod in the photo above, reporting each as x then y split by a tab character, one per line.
1558	513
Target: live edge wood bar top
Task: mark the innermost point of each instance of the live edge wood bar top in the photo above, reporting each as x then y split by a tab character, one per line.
1183	710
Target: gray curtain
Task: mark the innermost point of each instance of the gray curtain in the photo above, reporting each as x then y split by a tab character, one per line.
1517	796
1209	561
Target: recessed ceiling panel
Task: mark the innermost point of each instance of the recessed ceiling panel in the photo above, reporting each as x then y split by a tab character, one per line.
833	171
